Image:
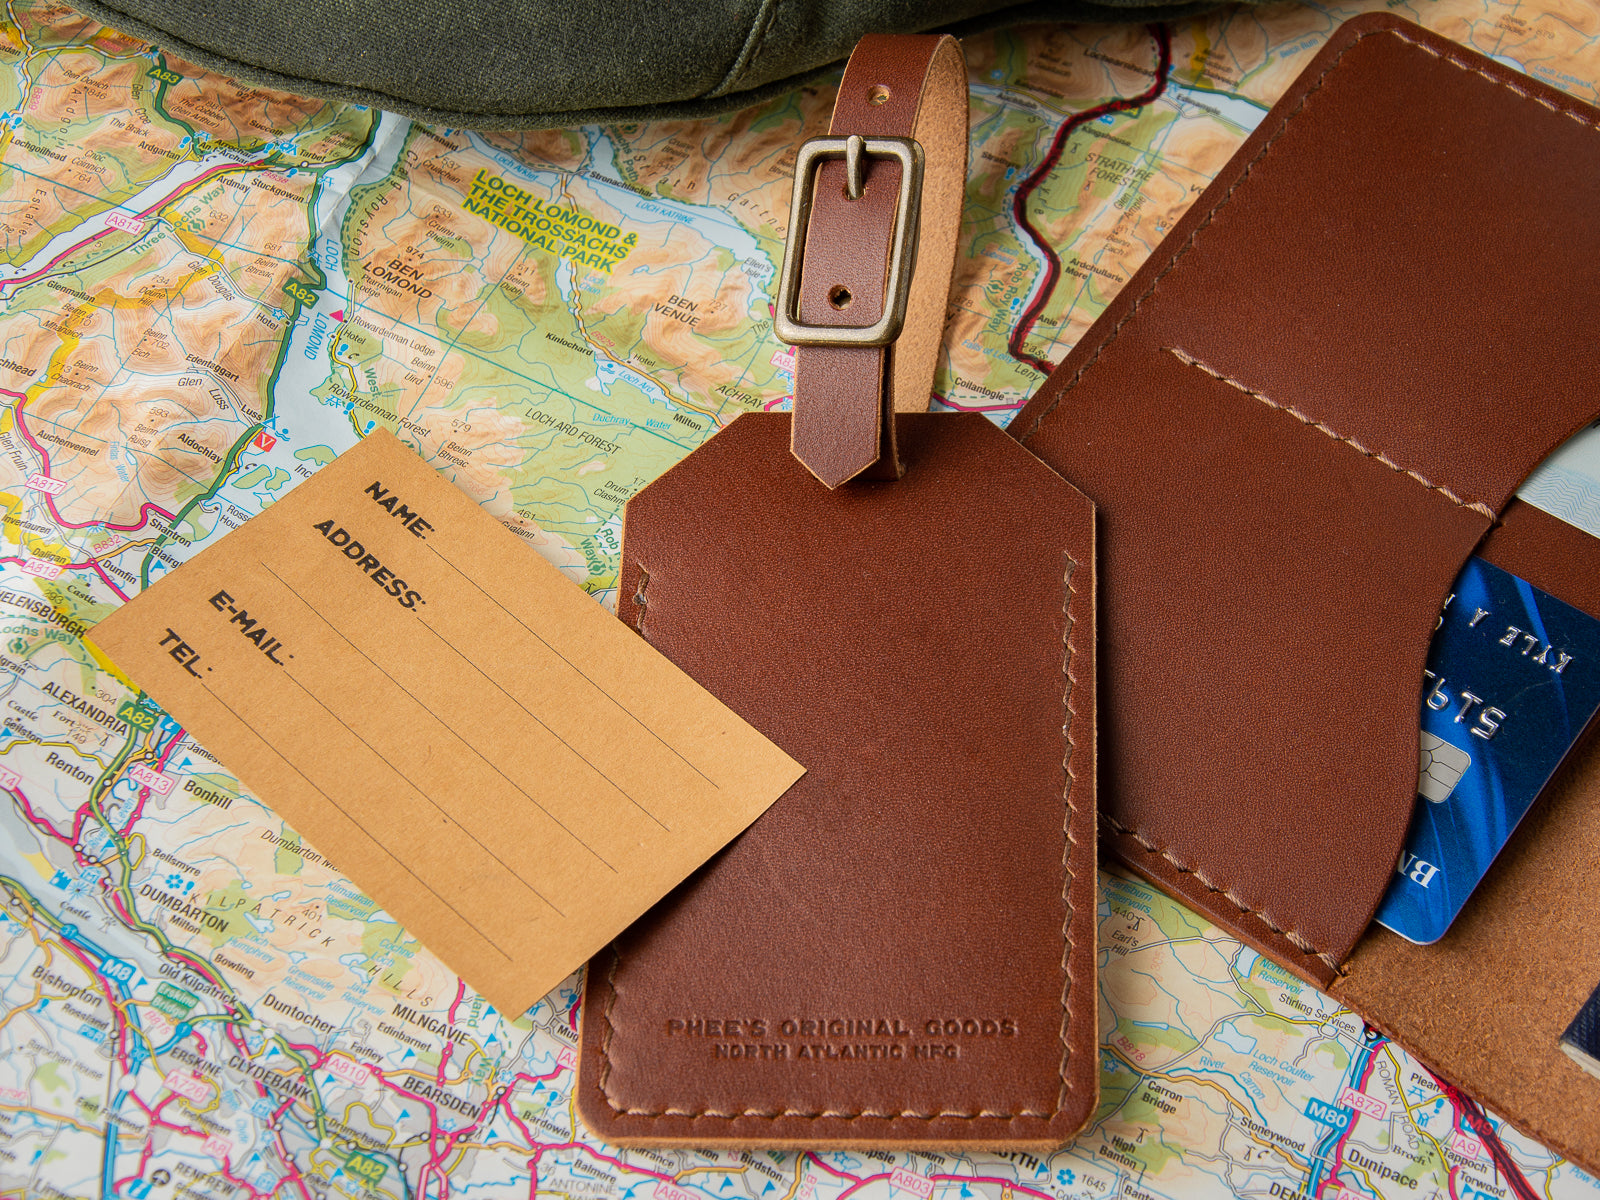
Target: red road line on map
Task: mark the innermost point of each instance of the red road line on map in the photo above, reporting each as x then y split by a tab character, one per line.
836	1174
860	1183
433	1113
615	1162
138	1172
294	1172
155	1113
977	408
450	1020
539	1152
505	1103
1015	1187
138	810
157	1120
83	566
144	789
1337	1154
433	1165
35	819
227	1173
66	254
461	991
21	399
962	1179
98	570
118	1018
315	1053
1469	1111
1019	203
142	522
111	1001
181	955
50	502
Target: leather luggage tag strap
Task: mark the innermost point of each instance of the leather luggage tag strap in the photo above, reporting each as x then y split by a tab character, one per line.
903	105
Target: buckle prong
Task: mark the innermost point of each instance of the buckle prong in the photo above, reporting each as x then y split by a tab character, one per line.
854	149
854	146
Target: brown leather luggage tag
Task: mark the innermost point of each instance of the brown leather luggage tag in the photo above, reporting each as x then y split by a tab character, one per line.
902	950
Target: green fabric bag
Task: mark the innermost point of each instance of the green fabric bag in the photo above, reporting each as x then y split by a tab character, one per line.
515	64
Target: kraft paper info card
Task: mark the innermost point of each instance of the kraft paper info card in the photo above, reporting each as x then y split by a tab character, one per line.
509	770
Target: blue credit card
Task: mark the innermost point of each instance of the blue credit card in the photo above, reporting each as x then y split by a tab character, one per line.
1513	678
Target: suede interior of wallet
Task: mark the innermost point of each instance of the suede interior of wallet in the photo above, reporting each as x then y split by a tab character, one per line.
1485	1006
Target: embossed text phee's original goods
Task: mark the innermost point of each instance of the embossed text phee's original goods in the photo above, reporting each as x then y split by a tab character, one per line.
340	652
838	1039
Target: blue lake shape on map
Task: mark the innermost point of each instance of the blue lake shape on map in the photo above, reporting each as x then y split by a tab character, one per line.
1234	1040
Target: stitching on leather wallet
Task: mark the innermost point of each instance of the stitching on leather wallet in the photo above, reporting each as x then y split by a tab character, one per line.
1511	87
1299	941
1190	360
1069	793
1071	796
1262	153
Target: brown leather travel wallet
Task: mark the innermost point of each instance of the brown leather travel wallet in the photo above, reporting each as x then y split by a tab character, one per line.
901	951
1296	422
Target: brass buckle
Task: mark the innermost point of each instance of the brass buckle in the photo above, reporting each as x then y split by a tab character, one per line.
786	321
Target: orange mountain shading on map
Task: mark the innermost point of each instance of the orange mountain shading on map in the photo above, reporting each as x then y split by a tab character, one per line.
209	290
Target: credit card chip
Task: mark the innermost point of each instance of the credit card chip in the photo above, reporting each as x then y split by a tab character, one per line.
1440	767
